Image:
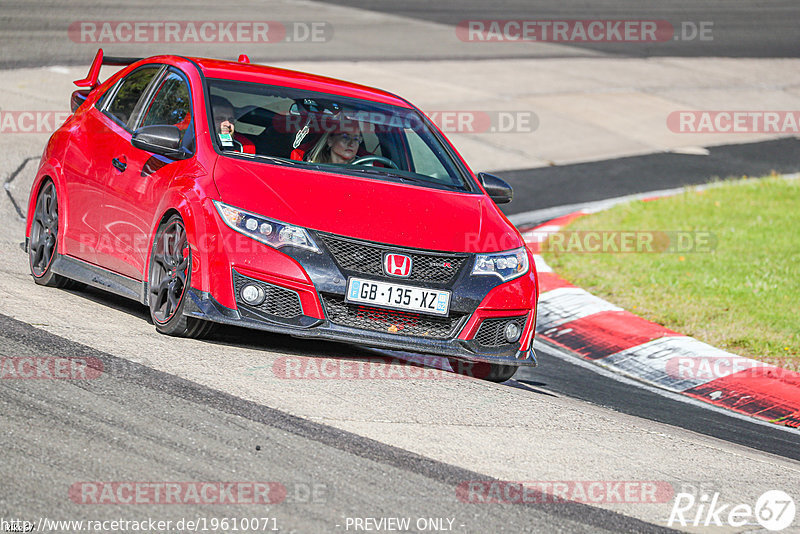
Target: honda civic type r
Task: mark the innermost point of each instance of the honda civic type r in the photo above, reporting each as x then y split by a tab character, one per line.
227	192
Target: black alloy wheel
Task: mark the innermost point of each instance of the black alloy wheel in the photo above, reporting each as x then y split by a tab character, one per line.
169	280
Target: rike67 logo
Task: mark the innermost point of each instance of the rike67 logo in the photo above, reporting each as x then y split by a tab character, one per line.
774	510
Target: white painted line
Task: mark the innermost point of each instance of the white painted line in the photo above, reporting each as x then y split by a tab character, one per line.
566	304
576	360
677	363
541	265
691	150
540	233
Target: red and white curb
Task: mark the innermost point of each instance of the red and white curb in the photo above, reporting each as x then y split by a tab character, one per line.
596	330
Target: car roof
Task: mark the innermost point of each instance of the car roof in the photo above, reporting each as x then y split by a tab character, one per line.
232	70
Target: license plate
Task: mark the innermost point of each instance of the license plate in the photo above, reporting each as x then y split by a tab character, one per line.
397	296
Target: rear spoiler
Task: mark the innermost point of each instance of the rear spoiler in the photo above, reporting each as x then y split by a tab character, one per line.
91	80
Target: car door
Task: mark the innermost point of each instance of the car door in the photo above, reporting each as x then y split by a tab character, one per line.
88	160
134	190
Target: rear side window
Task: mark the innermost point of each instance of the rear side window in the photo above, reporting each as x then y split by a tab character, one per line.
130	91
171	105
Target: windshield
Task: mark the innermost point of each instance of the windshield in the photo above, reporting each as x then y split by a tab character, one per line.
329	132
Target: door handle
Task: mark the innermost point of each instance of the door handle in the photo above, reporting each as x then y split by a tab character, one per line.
118	164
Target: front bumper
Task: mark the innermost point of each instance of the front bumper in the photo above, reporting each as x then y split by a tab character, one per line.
202	305
317	279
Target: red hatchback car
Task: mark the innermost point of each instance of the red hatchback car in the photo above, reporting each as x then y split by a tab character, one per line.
226	192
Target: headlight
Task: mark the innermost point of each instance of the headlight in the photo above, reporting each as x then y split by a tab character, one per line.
269	231
506	265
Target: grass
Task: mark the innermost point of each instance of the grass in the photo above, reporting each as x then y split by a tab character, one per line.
742	295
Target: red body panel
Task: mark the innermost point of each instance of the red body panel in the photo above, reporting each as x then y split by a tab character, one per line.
398	214
215	68
517	297
130	201
221	249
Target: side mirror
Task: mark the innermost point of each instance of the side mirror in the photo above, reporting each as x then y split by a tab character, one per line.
164	140
497	188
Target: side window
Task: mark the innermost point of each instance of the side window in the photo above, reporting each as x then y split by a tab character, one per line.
130	92
425	160
171	105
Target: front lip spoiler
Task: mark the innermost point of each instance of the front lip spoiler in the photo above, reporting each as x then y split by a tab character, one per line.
203	305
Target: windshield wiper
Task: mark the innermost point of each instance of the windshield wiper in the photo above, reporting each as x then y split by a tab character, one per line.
402	177
375	172
275	159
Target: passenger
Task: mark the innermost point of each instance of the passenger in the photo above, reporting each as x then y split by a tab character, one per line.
340	146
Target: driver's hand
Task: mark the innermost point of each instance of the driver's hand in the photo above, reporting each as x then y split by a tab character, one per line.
226	127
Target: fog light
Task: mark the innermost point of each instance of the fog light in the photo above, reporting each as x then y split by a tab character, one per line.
512	332
252	294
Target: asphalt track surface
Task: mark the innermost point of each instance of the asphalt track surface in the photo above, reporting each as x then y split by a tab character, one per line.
164	427
147	421
541	188
740	28
565	378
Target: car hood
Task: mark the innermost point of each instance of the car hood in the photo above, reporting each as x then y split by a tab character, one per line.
366	208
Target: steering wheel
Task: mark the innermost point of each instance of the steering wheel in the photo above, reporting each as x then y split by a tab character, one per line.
369	159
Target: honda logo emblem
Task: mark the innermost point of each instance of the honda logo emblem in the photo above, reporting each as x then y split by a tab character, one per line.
397	265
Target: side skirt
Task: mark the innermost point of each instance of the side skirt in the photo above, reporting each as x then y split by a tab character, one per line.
100	278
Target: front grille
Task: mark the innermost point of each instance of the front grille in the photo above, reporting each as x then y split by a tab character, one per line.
280	302
491	332
389	321
367	258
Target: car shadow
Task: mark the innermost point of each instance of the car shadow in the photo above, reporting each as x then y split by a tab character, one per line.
240	337
111	300
236	336
526	385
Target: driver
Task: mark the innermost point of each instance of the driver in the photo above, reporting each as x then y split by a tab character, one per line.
339	146
224	118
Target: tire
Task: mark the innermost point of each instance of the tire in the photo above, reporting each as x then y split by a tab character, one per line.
493	372
170	276
43	245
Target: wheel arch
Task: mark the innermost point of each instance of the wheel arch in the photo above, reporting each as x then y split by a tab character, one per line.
47	172
192	214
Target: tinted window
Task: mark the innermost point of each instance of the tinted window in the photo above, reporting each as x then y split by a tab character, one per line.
332	132
130	92
171	105
425	161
